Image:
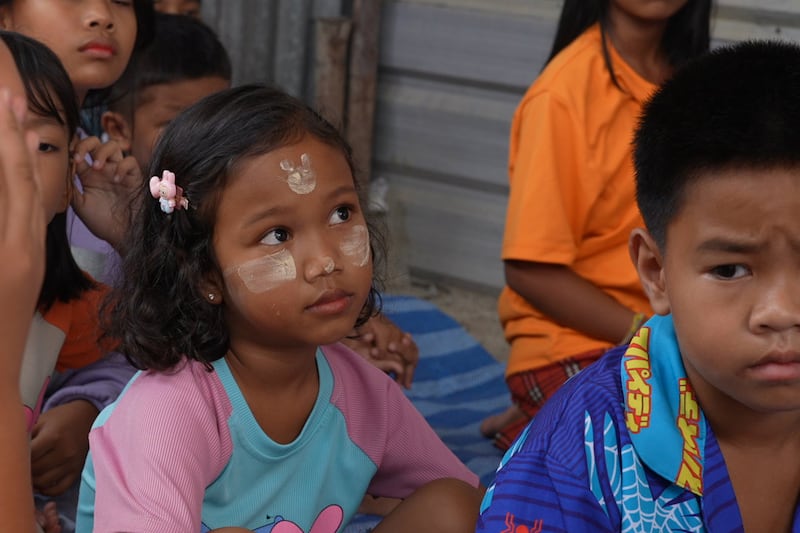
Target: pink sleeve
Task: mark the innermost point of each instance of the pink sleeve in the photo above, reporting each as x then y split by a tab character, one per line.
389	429
164	443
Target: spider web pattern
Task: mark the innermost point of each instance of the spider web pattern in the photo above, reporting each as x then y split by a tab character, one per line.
640	511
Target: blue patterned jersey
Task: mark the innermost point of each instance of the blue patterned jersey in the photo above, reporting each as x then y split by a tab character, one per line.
623	446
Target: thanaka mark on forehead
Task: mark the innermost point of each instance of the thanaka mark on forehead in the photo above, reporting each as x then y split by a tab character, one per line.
301	179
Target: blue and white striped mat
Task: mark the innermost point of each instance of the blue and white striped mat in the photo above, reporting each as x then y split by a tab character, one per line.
456	385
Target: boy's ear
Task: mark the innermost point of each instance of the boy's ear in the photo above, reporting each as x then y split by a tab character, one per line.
211	288
649	263
118	129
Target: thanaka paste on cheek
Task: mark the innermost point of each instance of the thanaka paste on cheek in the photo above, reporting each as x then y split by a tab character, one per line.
301	179
356	245
266	273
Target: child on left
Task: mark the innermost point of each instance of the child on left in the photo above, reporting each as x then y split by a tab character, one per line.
22	235
64	331
93	39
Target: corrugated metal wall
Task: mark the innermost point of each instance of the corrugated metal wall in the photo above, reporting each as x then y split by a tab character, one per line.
270	41
451	74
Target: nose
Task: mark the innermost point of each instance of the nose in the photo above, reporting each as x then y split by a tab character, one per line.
322	259
97	15
778	307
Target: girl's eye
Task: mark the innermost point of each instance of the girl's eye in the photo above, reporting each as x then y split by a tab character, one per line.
340	214
124	2
47	147
276	236
730	271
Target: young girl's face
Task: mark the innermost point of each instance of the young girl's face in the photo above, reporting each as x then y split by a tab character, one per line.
53	160
293	247
93	38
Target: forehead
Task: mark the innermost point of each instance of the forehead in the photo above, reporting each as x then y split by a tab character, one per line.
9	75
753	203
265	178
178	95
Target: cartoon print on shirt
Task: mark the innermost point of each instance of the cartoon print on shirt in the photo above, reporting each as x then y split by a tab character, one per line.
327	521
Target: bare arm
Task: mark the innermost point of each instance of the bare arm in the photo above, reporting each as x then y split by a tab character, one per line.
569	299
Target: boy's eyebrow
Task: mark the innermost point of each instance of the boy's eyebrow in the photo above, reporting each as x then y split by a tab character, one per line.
739	247
730	246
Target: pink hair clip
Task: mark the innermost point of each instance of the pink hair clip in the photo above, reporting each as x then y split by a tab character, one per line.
169	195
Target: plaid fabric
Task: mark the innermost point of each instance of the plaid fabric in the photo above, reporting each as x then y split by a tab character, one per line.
529	390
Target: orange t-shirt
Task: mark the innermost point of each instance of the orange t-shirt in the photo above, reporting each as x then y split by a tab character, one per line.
572	194
79	319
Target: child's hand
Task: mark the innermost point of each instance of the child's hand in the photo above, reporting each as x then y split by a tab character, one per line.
22	235
59	445
109	184
48	518
386	346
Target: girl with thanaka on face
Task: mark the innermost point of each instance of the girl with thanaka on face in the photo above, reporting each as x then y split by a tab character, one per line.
183	63
571	290
249	259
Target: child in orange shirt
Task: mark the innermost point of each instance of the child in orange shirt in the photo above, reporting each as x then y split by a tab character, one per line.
571	289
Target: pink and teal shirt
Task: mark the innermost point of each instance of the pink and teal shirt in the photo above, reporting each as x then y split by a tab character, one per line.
182	451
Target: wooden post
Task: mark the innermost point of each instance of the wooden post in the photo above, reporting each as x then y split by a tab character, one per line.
332	35
363	82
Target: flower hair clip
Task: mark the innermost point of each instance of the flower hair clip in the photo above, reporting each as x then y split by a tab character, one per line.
169	195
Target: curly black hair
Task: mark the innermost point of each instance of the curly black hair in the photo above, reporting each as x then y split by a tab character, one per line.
158	312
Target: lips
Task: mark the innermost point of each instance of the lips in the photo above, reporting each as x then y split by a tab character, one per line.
779	358
331	302
99	47
779	366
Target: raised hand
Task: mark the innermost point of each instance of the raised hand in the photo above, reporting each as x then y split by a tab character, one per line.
109	180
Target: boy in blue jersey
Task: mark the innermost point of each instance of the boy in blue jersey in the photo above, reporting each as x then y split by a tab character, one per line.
694	426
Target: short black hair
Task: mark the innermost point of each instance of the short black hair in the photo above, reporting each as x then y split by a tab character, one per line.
158	311
182	48
738	106
49	92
